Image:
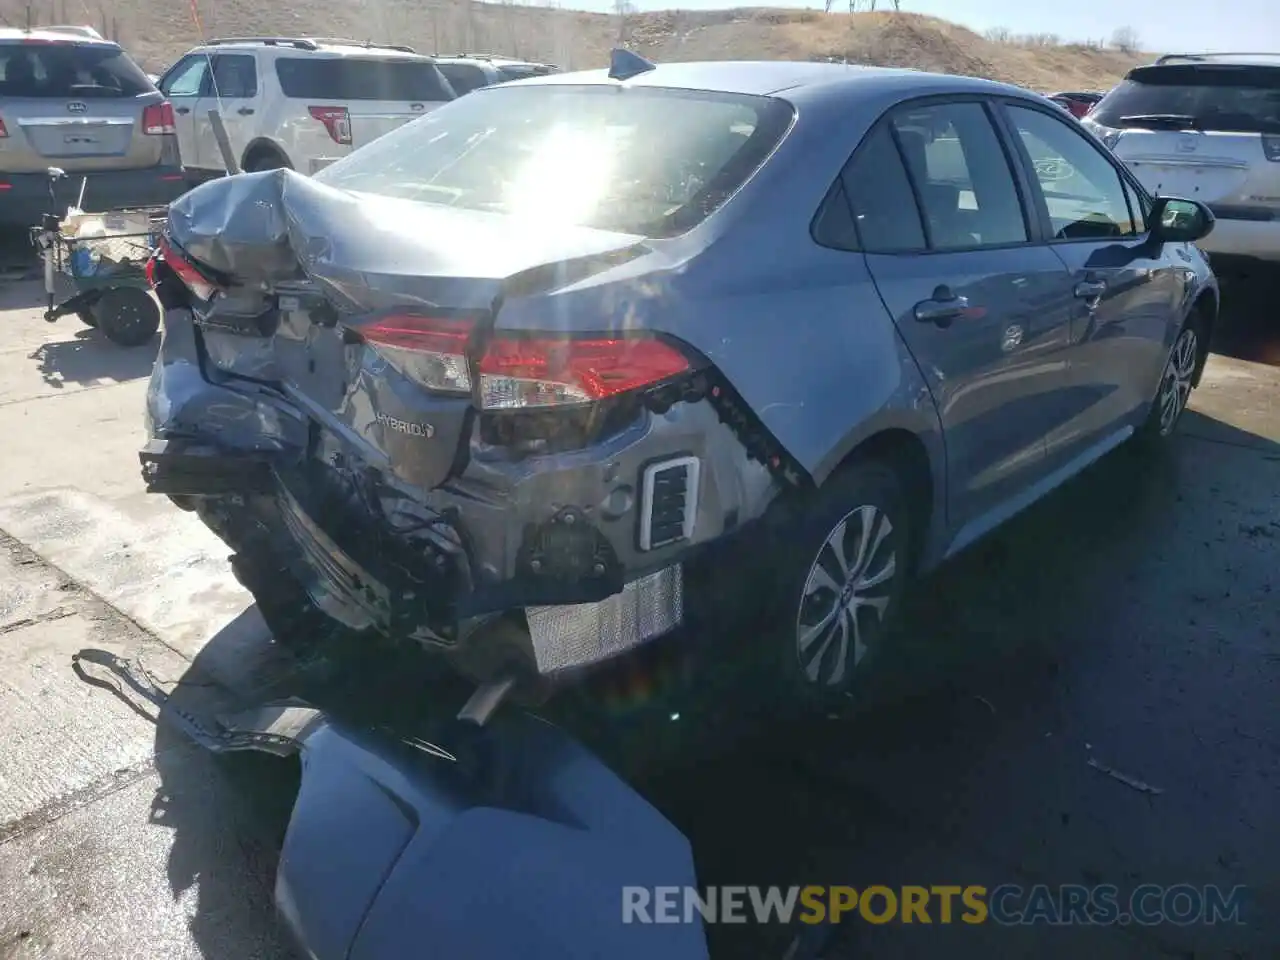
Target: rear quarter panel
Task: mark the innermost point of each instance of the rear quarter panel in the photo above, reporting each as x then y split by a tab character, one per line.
798	329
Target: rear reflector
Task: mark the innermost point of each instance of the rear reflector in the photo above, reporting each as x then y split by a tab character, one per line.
157	119
336	120
186	270
432	351
523	374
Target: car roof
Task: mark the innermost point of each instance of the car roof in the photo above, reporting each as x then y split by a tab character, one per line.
799	80
84	36
313	45
1234	59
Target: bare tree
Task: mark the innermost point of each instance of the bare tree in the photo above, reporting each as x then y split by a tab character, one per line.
999	35
623	9
1126	40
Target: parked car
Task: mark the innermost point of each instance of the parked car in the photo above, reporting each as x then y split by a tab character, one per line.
510	380
1077	104
469	71
295	102
1207	126
71	100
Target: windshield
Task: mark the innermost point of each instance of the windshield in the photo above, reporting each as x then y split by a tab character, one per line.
69	70
1225	99
646	161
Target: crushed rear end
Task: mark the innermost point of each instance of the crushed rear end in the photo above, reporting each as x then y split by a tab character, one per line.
352	394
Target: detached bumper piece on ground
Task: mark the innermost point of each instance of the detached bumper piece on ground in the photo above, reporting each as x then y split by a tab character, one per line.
504	841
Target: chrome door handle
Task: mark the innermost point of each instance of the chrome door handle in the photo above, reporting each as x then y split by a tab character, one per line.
941	311
1090	289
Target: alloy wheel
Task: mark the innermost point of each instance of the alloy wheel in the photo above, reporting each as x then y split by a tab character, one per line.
1175	385
845	596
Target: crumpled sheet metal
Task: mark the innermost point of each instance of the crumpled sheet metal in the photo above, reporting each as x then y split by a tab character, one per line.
367	251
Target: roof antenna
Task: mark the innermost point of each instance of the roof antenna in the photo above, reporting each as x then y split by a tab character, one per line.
623	64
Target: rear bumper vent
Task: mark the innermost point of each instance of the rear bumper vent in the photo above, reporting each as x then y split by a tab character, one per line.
668	502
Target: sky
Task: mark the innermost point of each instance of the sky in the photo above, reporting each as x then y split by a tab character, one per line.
1162	25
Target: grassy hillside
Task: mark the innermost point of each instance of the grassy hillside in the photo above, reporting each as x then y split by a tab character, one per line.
158	31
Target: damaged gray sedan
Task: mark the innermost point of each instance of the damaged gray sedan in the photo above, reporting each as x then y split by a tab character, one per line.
516	381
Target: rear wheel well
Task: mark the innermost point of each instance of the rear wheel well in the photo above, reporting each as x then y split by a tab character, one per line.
262	150
906	454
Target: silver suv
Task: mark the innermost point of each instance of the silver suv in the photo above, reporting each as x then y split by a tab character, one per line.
71	100
1206	127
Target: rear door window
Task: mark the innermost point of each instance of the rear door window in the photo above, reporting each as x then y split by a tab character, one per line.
884	208
235	76
63	70
348	78
1217	97
962	176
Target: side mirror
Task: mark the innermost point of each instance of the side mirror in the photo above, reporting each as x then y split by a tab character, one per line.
1180	221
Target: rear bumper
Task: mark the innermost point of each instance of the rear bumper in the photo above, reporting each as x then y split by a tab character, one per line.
559	539
1238	240
24	197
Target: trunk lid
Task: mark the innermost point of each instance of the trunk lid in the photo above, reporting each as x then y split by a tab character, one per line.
371	119
337	262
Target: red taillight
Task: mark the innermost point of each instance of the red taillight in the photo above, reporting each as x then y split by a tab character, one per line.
157	119
187	271
429	350
150	271
336	120
522	374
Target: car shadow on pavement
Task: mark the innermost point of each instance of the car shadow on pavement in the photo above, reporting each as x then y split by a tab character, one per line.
1248	327
89	357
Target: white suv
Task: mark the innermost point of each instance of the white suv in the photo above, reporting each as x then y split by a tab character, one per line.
294	102
1207	127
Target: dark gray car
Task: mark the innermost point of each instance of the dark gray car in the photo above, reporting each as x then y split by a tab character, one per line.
71	100
541	376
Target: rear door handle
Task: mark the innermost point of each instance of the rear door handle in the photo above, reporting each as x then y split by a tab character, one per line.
245	111
1091	289
941	312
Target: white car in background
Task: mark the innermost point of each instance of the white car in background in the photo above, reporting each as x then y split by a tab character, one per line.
1206	127
299	102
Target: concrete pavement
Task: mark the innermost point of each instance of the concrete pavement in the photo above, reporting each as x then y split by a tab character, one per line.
1130	619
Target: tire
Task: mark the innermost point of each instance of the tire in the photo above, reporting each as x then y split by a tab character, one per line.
128	316
266	160
87	318
835	609
1177	380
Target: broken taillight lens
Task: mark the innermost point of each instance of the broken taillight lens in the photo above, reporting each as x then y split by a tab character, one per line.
186	270
536	373
432	351
336	120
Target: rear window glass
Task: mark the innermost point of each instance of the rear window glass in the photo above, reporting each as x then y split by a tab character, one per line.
1219	98
639	160
333	78
463	77
82	70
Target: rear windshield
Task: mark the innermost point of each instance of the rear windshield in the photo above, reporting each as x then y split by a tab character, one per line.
1219	98
334	78
83	70
641	160
463	77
